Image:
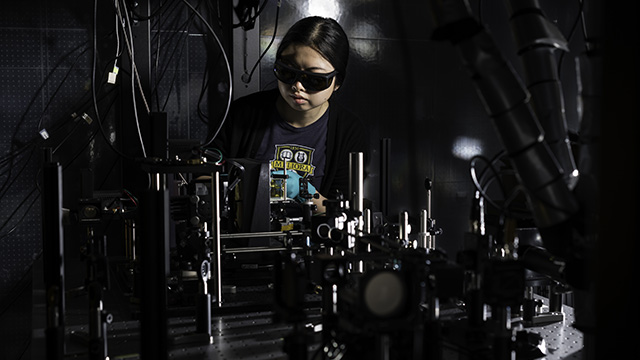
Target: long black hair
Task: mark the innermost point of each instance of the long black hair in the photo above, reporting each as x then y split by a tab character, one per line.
325	36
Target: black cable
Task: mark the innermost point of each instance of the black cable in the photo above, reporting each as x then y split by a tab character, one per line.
494	160
206	80
167	22
93	82
572	32
17	176
126	22
67	137
14	152
14	148
106	177
182	29
477	180
587	41
80	106
78	119
159	24
82	149
8	183
89	140
482	189
51	72
139	17
162	17
6	222
39	90
64	79
171	16
228	65
247	18
273	37
203	89
154	71
173	78
175	74
26	347
217	11
10	177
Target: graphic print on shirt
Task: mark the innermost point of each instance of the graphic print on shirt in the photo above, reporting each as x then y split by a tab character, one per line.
297	157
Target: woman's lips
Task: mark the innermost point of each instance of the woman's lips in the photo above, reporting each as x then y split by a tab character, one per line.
298	99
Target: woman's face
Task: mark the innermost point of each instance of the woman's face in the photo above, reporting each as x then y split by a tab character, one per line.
296	95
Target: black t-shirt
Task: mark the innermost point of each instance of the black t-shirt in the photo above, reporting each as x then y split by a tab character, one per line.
304	149
250	117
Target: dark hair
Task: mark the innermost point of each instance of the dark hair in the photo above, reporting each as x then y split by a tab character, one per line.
325	36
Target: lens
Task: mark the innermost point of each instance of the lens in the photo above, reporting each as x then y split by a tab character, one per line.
285	75
316	83
311	81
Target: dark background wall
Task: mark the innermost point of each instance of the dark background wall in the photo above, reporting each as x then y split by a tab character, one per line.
410	89
43	46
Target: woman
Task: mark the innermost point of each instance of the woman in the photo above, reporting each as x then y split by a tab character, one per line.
298	123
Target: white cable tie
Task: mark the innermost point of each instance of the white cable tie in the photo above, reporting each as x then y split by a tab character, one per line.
87	118
113	75
44	134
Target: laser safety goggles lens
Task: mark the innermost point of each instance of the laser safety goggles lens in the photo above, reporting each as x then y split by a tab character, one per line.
310	80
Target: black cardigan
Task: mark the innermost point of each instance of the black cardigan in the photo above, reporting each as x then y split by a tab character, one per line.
243	131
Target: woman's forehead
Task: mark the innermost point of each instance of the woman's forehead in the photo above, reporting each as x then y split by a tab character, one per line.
305	56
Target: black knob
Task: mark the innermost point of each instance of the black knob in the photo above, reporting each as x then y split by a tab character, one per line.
427	183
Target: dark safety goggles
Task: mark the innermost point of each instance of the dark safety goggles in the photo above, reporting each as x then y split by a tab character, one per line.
310	80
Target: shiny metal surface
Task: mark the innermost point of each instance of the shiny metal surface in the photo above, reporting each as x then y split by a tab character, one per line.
562	340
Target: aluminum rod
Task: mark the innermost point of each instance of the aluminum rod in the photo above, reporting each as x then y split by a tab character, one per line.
259	234
216	243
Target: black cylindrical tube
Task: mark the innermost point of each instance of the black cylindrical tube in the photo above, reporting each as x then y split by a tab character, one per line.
154	219
53	257
203	314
